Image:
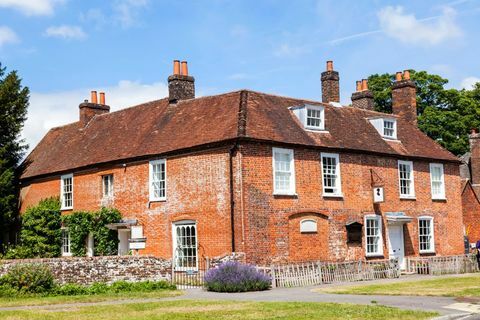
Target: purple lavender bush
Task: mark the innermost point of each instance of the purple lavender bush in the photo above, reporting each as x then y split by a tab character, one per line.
233	276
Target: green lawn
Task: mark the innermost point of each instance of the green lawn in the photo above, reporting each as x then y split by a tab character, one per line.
464	286
35	301
220	310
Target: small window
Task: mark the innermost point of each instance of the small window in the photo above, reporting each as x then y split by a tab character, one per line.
107	186
314	118
389	128
425	235
66	191
406	181
373	236
283	171
437	181
354	233
331	175
158	182
308	226
66	242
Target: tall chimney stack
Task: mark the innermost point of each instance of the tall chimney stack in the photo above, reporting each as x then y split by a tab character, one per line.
474	139
181	86
363	98
404	97
88	110
330	84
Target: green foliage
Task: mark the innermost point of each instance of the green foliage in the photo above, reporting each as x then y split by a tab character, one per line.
445	115
81	223
13	110
40	235
28	278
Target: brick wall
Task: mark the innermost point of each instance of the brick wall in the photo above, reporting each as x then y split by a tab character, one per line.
271	235
83	270
471	214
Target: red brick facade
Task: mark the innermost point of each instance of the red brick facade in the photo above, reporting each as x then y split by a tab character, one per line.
471	213
266	227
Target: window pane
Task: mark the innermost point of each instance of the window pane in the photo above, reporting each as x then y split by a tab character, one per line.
283	171
372	231
330	175
158	180
314	117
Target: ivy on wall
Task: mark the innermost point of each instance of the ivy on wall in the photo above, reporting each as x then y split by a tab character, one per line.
81	223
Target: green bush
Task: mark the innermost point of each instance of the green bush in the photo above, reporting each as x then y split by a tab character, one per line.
105	240
98	288
79	224
29	278
70	289
40	235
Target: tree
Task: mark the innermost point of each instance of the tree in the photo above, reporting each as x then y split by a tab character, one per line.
445	115
13	110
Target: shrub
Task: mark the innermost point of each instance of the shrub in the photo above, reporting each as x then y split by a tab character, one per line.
29	278
106	240
236	277
98	288
71	289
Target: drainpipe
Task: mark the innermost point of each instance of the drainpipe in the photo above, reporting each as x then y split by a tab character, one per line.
232	152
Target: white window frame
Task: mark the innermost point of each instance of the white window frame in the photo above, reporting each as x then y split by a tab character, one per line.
338	180
62	193
432	235
441	195
378	218
111	182
291	190
410	195
394	134
322	117
69	240
152	196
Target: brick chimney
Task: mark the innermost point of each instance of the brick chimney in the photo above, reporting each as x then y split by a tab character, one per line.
362	98
474	139
330	84
404	97
88	110
181	86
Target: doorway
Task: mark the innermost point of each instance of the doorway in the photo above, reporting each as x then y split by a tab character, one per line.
185	250
396	243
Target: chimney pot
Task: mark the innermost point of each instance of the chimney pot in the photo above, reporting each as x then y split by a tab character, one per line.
398	76
176	67
184	71
329	65
406	75
102	98
359	86
93	96
364	85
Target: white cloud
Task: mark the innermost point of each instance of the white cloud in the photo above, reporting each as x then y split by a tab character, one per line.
468	82
48	110
287	50
7	35
126	11
94	16
32	7
65	32
408	29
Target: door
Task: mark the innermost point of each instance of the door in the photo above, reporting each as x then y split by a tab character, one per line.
185	246
395	243
123	244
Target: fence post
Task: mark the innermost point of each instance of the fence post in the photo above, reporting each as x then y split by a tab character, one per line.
272	274
173	271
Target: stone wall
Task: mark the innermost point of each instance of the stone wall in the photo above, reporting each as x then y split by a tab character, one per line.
87	270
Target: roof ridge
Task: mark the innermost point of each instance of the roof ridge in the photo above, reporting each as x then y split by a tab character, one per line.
242	113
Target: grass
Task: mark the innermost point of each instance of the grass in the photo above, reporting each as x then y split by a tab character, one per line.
51	300
220	310
465	286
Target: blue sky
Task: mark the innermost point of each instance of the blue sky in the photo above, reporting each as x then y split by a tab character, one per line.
65	48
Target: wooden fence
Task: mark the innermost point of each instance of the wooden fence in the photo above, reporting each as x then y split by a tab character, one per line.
316	273
442	265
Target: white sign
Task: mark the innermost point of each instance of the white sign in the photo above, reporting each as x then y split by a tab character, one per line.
137	245
378	194
137	232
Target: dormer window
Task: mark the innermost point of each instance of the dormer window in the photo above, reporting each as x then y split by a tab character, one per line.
386	127
312	117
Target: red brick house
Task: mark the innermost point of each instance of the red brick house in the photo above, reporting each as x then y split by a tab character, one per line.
280	179
470	173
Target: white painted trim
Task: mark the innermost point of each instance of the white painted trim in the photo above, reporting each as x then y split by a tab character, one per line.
174	242
291	154
322	117
394	136
62	201
432	230
338	181
150	179
380	229
442	195
66	254
412	179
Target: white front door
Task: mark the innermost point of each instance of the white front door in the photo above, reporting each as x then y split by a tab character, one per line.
185	245
396	244
123	244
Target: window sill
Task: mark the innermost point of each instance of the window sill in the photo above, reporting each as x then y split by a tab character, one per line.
158	200
66	254
439	199
374	255
313	129
427	252
285	194
408	198
66	209
331	195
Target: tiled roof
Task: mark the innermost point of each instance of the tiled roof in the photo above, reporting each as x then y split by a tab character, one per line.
158	127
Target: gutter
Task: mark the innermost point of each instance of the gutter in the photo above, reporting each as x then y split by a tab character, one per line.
231	153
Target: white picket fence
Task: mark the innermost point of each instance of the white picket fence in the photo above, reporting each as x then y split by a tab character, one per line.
320	272
442	265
